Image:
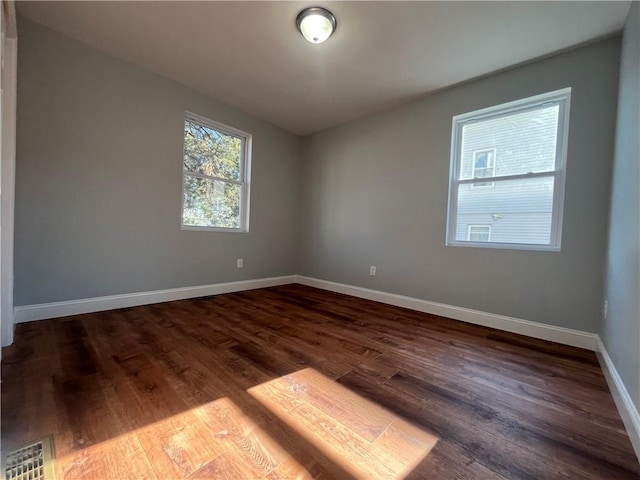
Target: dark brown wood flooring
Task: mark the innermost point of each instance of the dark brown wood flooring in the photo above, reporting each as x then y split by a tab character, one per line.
295	382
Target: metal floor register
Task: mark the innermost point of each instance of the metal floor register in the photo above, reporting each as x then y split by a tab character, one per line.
34	462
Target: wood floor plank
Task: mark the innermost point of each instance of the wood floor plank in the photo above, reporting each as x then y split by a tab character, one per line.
93	437
223	467
344	446
406	443
243	438
178	445
288	470
528	447
111	460
447	461
296	382
309	386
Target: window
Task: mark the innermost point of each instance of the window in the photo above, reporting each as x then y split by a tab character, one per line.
479	233
216	160
519	151
484	165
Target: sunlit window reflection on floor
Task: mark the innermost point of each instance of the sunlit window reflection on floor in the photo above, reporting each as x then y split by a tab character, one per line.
276	430
358	435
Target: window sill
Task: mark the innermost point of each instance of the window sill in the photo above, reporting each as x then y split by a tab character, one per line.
214	229
505	246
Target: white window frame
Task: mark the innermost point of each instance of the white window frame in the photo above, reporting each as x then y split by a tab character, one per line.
469	227
492	150
561	97
245	173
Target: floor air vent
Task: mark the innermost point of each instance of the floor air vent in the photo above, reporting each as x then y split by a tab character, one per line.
34	462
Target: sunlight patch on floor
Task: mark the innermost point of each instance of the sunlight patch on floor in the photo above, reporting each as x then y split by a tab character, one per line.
214	440
234	438
362	438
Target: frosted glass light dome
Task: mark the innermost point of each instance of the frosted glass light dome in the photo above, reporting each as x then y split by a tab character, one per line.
316	24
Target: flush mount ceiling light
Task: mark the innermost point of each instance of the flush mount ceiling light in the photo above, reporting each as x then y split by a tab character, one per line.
316	24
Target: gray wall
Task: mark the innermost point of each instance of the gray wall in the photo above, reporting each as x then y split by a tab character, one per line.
375	193
98	181
620	331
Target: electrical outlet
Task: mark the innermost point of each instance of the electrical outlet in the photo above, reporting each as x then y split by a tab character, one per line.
605	309
372	271
239	263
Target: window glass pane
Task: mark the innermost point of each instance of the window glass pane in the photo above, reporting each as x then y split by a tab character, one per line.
210	152
518	211
523	141
211	203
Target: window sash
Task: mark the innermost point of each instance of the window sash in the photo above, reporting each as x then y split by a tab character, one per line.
561	98
226	130
555	214
221	180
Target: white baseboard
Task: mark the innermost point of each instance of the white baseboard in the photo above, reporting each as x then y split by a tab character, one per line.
566	336
626	407
30	313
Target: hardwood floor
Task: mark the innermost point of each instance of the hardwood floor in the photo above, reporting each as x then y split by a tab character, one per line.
295	382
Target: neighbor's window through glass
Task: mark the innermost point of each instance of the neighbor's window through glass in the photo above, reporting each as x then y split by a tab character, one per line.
215	173
479	233
484	165
518	150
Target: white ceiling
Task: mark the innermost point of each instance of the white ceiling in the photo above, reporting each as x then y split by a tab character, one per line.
250	55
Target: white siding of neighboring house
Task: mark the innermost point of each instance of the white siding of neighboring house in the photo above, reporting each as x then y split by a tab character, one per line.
518	211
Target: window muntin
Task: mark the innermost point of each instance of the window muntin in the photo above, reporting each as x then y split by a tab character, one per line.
215	176
525	168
